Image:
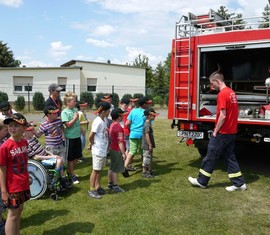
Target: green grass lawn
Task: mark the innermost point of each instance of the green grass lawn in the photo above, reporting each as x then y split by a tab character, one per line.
166	204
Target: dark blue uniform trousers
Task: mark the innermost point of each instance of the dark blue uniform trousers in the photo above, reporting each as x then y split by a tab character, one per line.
221	146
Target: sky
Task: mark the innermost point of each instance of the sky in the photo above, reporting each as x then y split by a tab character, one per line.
45	33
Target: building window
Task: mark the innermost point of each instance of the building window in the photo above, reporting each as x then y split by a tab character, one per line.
62	82
92	84
22	84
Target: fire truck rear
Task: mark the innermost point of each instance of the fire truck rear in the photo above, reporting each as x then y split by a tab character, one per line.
201	45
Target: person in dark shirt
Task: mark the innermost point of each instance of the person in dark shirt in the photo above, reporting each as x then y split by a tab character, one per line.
54	98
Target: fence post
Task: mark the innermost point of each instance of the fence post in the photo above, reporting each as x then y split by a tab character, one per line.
73	88
112	89
28	93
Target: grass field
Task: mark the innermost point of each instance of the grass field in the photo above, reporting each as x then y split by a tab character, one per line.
166	204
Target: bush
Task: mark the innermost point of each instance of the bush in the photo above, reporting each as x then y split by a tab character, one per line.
19	103
87	97
127	96
159	100
38	101
98	97
115	100
3	96
137	95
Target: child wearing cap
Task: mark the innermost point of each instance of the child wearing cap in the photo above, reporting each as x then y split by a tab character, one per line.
70	118
6	110
117	150
14	177
98	144
148	143
53	129
135	121
37	152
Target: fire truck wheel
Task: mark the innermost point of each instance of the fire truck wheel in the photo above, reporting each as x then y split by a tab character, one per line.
202	152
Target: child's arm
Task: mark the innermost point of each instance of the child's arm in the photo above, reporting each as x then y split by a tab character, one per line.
5	194
122	149
91	140
72	121
148	140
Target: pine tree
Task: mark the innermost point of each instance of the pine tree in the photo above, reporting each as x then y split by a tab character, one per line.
265	18
6	57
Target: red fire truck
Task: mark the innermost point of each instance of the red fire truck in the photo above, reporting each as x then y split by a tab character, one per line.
201	45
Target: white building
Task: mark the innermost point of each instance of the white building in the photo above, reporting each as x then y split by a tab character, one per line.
77	76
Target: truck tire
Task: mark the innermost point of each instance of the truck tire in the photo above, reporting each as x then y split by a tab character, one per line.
202	152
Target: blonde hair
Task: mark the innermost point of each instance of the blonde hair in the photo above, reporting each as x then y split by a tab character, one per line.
69	96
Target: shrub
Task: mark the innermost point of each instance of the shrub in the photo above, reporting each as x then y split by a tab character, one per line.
137	95
19	103
38	101
98	98
3	96
87	97
128	96
115	100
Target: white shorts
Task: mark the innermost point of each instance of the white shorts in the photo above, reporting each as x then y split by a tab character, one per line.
98	162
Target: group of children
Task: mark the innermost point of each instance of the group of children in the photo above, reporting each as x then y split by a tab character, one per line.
128	132
65	136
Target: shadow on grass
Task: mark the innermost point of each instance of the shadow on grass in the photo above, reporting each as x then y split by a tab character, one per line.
42	217
72	228
140	183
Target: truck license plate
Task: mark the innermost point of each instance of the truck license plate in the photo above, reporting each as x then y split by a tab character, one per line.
190	134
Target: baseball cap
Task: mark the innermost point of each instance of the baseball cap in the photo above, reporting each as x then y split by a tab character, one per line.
151	111
144	100
83	103
16	117
106	98
50	109
133	99
116	113
5	106
31	126
102	106
54	87
125	101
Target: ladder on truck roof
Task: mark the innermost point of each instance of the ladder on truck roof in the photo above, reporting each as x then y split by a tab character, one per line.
184	30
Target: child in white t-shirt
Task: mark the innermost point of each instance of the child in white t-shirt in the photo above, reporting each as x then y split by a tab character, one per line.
98	143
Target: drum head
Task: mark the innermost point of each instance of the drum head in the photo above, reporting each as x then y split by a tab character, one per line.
38	179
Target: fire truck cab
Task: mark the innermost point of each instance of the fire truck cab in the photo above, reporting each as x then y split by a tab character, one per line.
201	45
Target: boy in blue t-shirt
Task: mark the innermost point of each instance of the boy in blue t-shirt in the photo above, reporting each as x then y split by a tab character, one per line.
135	121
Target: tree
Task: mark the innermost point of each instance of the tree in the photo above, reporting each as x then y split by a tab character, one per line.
265	18
223	11
159	86
6	57
143	62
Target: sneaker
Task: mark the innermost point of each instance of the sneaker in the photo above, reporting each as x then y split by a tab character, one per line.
75	180
65	183
131	168
101	191
109	186
125	173
94	194
81	159
117	189
195	182
234	188
147	175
